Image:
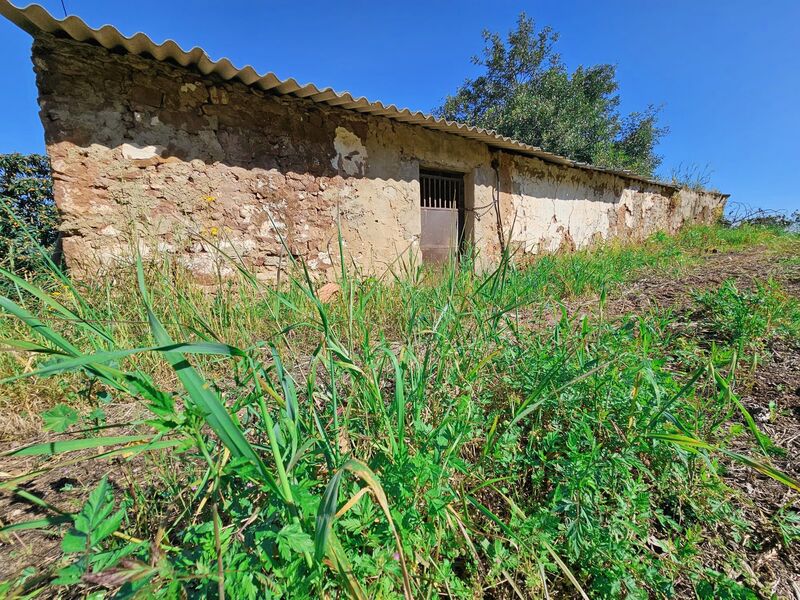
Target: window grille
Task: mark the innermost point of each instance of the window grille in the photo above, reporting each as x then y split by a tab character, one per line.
441	190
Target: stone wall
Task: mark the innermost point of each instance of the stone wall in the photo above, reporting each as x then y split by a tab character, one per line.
149	153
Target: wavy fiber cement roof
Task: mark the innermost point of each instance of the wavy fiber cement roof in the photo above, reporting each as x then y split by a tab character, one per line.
34	19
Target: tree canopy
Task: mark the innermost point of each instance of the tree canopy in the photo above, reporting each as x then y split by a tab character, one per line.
527	93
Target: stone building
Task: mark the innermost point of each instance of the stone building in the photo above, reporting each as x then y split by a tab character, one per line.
200	159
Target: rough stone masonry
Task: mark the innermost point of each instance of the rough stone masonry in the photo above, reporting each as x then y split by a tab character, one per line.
151	154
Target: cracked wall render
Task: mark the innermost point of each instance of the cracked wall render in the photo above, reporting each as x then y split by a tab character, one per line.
150	153
558	208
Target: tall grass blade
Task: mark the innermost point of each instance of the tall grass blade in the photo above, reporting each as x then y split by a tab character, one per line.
329	506
202	395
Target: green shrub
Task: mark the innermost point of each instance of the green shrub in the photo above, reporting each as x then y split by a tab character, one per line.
28	218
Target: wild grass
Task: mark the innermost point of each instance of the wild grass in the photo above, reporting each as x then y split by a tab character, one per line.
242	314
438	434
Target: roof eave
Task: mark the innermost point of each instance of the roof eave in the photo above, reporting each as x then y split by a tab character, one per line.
34	19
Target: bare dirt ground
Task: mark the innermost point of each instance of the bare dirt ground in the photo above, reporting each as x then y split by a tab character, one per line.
66	488
765	561
656	291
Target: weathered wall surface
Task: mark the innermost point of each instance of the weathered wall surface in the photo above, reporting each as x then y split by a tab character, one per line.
138	145
150	153
557	208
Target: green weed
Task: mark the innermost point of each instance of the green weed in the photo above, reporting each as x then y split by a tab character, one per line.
749	316
414	438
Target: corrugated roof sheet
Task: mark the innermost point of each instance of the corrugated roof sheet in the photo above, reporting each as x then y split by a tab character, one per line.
34	19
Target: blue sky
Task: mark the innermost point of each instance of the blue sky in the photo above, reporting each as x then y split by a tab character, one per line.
726	73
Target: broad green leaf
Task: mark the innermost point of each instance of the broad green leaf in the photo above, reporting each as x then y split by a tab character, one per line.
326	513
74	542
108	526
97	508
293	539
70	575
60	418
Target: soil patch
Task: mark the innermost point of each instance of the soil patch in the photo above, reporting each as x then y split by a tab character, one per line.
774	402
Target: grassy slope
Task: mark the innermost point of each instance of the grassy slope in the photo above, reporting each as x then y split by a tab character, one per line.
516	452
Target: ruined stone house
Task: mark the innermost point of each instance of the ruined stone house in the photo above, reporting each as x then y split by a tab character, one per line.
198	158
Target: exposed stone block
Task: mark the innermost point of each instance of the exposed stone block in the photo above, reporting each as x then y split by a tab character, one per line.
147	96
133	152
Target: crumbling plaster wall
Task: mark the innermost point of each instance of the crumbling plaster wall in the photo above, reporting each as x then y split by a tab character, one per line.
149	153
386	199
556	208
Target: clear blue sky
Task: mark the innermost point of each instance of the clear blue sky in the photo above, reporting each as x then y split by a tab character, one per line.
726	72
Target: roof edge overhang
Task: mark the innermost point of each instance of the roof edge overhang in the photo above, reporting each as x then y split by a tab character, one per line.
35	19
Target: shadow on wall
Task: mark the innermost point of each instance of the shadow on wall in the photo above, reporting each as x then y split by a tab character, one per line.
192	164
135	143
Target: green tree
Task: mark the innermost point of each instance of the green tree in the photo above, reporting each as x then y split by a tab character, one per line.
26	203
527	93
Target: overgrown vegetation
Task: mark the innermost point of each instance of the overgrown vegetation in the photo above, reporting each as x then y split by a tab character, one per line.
691	176
438	434
527	93
26	196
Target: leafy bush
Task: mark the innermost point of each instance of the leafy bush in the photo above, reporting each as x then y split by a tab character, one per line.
28	218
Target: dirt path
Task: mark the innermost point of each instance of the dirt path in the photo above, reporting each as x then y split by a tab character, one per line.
774	402
657	291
